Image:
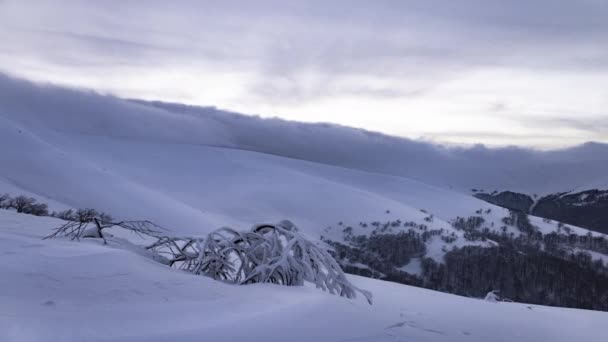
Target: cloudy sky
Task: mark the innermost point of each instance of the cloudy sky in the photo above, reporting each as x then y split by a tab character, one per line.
522	72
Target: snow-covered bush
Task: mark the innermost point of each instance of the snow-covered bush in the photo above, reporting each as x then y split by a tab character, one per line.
267	253
492	296
66	215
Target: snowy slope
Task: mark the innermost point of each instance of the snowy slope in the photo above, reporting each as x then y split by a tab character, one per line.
193	173
189	186
193	189
58	290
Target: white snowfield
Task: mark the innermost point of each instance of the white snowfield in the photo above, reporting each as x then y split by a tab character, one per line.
61	290
45	130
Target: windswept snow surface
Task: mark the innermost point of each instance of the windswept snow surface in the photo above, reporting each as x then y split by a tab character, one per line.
61	290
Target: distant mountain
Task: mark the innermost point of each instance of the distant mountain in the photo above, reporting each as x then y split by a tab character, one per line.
587	209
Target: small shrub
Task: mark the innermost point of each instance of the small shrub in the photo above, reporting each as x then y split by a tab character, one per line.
66	215
26	205
38	209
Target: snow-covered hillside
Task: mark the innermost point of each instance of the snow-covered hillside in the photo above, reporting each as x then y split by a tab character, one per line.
193	188
59	290
138	162
193	172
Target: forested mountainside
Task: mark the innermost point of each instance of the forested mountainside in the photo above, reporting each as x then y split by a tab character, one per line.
588	209
556	266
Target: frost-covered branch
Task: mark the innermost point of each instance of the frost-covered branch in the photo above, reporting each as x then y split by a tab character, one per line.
268	253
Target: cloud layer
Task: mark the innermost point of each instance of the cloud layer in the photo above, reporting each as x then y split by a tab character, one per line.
52	114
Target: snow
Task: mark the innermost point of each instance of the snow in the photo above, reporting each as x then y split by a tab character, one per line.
594	255
59	290
413	267
193	188
54	119
549	227
491	297
193	170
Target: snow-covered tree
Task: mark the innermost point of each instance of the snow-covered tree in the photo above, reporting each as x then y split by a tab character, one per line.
492	296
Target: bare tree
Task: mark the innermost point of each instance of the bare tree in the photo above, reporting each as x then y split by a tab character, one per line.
93	227
22	203
5	201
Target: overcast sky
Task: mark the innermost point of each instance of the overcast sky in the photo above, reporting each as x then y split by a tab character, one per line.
522	72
